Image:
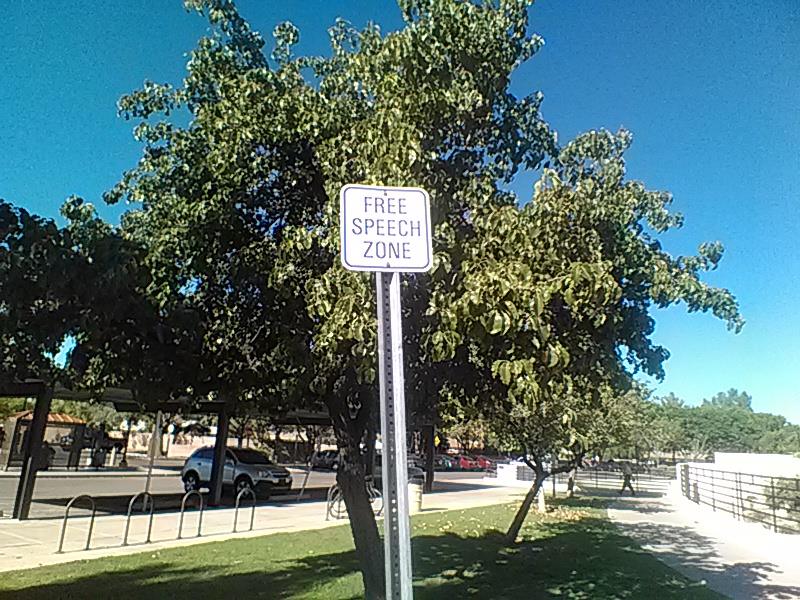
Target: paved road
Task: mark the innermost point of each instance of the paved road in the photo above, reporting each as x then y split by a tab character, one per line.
52	492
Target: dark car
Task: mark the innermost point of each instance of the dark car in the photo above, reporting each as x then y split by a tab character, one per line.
327	460
415	474
443	462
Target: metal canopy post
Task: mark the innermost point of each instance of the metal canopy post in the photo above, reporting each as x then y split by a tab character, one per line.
397	530
429	431
32	455
218	464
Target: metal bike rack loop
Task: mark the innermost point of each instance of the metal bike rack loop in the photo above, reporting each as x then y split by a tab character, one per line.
335	498
332	491
374	494
145	497
201	505
252	510
66	516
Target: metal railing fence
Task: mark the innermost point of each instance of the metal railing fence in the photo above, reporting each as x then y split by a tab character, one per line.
765	499
612	479
606	478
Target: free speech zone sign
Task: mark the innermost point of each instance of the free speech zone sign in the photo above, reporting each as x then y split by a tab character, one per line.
385	229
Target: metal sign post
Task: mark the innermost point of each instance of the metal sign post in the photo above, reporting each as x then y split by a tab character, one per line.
388	230
396	525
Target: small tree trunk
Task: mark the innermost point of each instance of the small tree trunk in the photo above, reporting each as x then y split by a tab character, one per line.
369	548
522	513
277	450
571	482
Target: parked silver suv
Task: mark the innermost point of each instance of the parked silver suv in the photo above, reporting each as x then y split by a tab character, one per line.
244	468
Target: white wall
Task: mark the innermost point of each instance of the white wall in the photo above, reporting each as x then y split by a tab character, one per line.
777	465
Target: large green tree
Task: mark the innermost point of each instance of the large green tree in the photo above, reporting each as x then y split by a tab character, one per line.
554	301
239	207
121	336
37	294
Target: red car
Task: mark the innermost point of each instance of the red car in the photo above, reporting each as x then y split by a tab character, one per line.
484	463
463	462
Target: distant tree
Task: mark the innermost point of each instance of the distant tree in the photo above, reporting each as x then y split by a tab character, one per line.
9	406
785	440
669	425
733	398
465	426
94	413
632	426
725	423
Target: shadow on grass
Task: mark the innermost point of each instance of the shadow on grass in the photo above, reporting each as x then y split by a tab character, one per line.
563	556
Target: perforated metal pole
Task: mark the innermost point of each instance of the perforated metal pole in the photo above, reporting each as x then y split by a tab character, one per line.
396	525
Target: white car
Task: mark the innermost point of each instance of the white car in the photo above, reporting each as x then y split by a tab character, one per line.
244	468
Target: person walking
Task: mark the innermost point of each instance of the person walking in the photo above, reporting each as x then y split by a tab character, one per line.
627	477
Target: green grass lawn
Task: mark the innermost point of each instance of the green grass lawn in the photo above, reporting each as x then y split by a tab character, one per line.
573	551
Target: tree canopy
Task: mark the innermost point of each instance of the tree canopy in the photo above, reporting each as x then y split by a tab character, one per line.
37	294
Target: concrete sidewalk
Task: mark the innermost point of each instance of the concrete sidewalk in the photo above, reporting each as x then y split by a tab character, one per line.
31	544
735	558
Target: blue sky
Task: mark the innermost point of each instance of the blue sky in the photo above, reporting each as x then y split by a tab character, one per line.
711	91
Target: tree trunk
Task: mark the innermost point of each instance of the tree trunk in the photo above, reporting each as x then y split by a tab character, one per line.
522	513
351	428
278	431
571	482
369	548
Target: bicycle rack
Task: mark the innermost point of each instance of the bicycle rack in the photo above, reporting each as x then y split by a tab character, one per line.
146	496
252	510
374	494
201	505
329	502
66	516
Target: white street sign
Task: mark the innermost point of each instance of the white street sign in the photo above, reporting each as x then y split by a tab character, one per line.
385	229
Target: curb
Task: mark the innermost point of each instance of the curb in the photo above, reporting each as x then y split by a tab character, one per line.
79	474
